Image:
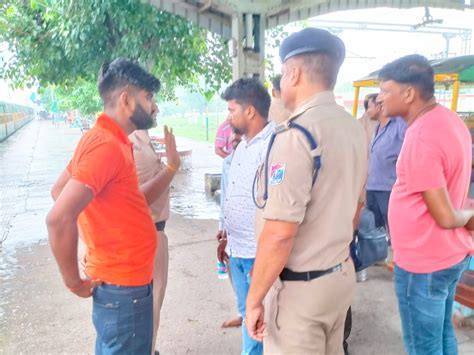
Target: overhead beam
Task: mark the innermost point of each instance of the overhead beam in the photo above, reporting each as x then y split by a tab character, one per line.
216	15
283	14
210	19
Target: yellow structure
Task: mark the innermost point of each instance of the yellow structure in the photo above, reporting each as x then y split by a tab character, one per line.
452	73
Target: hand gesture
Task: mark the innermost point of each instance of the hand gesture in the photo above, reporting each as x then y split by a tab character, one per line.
172	155
85	288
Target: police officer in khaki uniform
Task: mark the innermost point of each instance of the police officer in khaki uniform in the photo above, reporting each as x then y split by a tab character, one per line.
303	264
155	178
278	112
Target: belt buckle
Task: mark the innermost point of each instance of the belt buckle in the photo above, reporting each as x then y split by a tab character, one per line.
308	276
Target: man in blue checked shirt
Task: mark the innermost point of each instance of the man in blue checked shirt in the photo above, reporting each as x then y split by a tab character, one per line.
383	154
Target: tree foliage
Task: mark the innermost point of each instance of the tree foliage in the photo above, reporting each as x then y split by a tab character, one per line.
274	37
64	42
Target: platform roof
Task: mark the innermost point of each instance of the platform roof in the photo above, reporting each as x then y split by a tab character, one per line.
216	15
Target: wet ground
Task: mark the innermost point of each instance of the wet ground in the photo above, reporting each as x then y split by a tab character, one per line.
38	315
188	196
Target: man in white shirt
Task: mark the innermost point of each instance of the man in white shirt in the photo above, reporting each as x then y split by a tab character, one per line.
248	103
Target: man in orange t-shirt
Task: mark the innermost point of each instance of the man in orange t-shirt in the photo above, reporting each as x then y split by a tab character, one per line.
99	192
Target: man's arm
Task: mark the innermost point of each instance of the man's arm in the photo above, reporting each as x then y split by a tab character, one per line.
59	184
155	187
274	248
62	232
221	152
441	209
220	142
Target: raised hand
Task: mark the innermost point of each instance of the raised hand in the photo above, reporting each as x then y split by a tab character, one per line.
172	155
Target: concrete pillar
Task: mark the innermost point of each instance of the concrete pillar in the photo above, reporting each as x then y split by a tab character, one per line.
236	46
247	46
262	47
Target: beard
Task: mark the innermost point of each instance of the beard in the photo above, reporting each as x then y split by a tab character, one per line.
141	119
237	130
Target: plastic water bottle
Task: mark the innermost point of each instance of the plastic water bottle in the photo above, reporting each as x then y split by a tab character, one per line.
222	271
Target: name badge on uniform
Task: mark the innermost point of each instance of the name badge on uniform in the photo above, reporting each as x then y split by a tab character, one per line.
277	174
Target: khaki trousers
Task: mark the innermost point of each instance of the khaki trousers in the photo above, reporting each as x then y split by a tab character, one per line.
307	317
160	279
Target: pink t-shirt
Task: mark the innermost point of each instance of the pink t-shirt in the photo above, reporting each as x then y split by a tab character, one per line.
223	137
436	153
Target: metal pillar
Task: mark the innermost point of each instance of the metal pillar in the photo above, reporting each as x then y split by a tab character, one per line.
447	37
466	42
247	46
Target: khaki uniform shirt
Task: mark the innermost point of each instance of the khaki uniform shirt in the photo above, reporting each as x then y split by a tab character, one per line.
148	165
369	129
278	113
324	212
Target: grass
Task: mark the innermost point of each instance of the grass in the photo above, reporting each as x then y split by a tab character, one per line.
190	126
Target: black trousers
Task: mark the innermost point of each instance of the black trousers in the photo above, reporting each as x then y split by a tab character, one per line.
347	330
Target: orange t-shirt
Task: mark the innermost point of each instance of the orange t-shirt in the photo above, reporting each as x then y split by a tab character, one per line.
116	226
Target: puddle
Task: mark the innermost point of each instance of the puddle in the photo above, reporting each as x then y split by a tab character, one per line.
188	196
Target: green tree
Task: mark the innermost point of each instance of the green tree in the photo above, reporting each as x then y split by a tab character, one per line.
83	96
274	38
61	42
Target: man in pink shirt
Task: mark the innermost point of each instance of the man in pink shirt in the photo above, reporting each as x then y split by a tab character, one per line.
223	143
428	227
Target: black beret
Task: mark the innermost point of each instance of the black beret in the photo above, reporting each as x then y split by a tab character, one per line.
312	40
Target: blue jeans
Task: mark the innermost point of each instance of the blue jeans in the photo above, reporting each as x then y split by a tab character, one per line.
377	203
425	302
240	269
123	319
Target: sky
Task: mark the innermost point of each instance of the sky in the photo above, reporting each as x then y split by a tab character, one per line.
383	47
367	51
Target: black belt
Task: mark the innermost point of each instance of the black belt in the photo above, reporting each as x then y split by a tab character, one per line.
288	275
160	226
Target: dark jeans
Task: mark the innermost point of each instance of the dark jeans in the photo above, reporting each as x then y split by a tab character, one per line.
123	319
425	302
377	203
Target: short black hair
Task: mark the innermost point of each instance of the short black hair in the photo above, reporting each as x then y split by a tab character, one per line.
276	82
369	98
122	72
321	67
249	92
412	69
